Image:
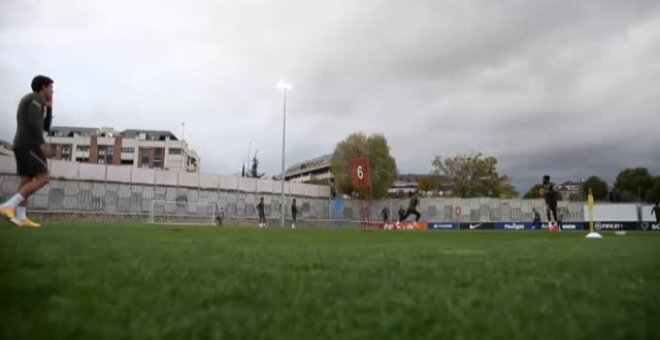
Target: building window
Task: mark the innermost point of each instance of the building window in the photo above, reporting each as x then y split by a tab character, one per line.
144	157
175	151
53	151
66	152
127	150
110	154
106	153
158	158
82	148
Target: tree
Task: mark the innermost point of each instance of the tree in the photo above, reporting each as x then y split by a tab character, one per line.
598	188
631	183
506	189
534	192
315	181
472	175
429	184
381	164
653	194
254	171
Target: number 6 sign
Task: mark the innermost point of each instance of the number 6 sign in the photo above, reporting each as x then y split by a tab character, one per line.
361	173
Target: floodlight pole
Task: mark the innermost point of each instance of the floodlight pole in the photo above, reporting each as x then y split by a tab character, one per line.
284	88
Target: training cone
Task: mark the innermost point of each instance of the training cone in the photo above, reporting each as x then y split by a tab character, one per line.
594	235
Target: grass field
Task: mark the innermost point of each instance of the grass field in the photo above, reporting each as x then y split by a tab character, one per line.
145	282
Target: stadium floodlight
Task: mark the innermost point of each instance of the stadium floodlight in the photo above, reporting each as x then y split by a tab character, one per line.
284	87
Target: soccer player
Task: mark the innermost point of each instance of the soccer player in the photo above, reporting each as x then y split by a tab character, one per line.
656	211
30	149
262	213
537	218
412	208
550	195
402	216
294	213
386	214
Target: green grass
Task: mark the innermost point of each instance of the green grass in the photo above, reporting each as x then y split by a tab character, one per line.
143	282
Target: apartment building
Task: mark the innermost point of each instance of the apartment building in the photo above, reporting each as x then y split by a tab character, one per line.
152	149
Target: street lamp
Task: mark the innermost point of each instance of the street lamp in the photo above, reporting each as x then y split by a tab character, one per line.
284	87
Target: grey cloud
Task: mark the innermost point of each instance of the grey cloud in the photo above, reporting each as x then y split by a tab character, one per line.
540	85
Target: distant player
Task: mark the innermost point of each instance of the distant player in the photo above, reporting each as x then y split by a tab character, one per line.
656	212
30	149
550	195
537	219
386	214
294	213
412	208
402	215
262	213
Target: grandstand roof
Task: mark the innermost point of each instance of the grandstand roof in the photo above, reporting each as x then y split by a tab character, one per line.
151	134
70	130
309	165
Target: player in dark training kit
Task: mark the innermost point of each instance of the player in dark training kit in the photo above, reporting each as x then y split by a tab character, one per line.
412	208
550	195
34	116
262	213
386	214
294	213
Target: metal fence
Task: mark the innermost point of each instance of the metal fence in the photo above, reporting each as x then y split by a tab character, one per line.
103	201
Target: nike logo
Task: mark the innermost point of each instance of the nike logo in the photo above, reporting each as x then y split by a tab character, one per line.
475	226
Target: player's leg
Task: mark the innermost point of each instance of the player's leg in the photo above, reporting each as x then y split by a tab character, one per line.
21	210
29	188
408	213
31	166
548	215
553	209
417	215
552	216
16	204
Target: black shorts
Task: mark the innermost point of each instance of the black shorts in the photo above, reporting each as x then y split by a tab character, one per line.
30	161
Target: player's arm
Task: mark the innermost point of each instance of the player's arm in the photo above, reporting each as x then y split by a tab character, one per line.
36	126
49	117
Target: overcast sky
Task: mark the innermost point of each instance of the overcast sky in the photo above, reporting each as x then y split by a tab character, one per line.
568	88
